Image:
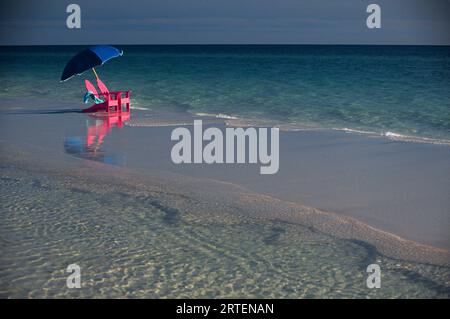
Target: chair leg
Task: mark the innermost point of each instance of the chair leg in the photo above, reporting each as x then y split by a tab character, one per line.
128	101
119	102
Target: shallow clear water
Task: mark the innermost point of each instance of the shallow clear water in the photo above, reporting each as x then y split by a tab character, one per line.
129	244
400	89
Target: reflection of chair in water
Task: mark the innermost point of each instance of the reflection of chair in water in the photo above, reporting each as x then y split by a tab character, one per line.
116	102
90	146
102	125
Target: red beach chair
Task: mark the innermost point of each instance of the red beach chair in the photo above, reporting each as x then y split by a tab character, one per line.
114	102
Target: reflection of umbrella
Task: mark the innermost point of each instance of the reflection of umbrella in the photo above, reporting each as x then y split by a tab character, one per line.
88	59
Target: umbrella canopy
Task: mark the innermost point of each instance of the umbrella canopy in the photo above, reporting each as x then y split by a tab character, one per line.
88	59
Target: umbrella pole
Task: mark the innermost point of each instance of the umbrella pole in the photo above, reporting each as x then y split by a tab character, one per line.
95	73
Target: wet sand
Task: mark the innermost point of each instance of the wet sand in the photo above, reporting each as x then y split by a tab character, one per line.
399	187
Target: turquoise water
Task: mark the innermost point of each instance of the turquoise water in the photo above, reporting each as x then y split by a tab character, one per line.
400	89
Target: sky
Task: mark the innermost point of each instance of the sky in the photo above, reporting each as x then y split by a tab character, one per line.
33	22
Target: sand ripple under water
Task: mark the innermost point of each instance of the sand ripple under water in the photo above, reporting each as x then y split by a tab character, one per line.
161	236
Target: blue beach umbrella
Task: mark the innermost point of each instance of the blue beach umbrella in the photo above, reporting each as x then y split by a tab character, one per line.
88	59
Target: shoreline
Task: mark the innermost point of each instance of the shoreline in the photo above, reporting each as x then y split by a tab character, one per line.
239	121
232	120
235	121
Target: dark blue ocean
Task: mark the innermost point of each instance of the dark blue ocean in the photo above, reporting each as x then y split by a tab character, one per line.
399	89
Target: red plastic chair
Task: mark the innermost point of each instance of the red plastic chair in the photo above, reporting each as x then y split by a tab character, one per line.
113	100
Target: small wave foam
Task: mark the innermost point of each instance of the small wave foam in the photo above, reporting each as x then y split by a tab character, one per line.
350	130
305	127
396	136
218	116
409	138
234	121
140	108
155	123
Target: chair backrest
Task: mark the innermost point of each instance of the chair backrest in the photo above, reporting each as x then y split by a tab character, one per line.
102	86
90	87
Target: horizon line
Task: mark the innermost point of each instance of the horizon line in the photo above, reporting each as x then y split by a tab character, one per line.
225	44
